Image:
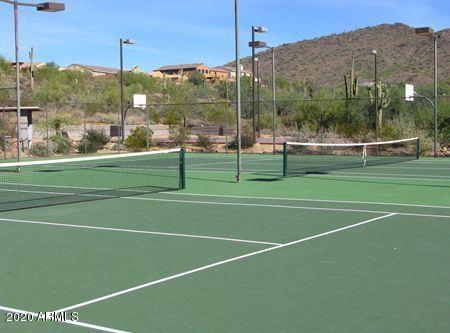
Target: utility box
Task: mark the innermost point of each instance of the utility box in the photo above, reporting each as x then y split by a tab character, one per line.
114	130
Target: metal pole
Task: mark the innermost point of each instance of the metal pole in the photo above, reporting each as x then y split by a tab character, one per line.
274	104
147	121
16	32
4	133
253	83
258	103
122	116
46	130
376	98
238	90
184	132
119	133
226	118
84	129
435	37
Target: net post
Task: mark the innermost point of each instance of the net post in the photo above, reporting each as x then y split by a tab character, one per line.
285	156
418	148
182	169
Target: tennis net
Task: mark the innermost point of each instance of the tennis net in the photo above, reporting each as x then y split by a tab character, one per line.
61	181
304	158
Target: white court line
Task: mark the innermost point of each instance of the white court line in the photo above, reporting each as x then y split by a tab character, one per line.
247	204
436	161
231	171
409	167
233	162
382	177
69	322
219	263
300	199
318	176
283	206
390	174
137	231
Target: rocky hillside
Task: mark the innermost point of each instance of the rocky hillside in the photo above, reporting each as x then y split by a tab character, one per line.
403	56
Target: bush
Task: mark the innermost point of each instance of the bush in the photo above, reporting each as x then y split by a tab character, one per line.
247	140
206	142
197	78
40	150
60	144
178	135
138	138
93	141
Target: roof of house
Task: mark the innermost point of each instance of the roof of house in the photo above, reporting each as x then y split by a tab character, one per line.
233	69
178	67
98	69
219	69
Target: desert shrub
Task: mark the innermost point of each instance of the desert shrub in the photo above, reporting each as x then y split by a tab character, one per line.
60	144
40	150
302	134
178	135
59	122
138	138
206	142
93	141
197	78
247	140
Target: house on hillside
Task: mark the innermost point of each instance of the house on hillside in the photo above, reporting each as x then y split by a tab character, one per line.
27	65
231	72
96	71
184	72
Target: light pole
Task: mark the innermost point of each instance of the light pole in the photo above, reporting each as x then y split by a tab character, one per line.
274	103
430	32
258	104
122	111
253	44
374	52
238	91
43	7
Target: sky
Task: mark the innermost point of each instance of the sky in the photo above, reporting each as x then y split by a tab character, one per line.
190	31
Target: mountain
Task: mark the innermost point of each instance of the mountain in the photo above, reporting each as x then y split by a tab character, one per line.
403	57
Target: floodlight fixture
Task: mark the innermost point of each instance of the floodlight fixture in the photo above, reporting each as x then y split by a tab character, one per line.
261	29
128	41
257	44
50	7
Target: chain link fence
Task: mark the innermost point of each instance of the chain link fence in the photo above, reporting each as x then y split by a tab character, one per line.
84	128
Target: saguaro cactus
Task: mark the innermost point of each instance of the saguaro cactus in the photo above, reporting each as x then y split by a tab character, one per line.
383	99
351	84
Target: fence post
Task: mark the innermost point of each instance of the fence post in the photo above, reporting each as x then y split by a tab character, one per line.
119	134
183	169
84	137
47	138
285	157
226	124
418	148
4	133
147	122
322	128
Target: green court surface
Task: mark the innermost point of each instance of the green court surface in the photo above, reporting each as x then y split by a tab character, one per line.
354	250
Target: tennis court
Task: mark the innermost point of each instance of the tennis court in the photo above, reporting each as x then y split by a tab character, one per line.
350	250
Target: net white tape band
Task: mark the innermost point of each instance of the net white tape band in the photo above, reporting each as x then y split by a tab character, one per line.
306	144
88	159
